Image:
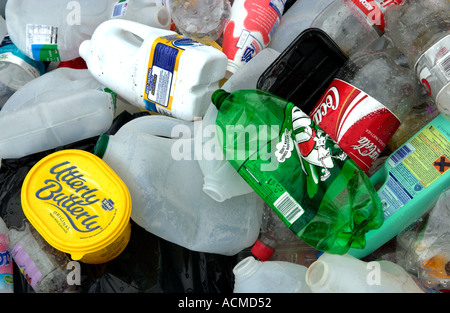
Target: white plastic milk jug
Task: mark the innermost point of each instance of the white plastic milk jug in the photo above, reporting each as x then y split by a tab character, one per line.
253	276
165	184
52	30
155	69
60	107
333	273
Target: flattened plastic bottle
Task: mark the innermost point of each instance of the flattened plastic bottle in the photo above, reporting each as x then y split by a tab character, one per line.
301	173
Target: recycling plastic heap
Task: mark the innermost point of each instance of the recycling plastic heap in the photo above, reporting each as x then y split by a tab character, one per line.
222	146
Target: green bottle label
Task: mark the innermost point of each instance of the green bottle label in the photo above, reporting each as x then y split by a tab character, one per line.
301	173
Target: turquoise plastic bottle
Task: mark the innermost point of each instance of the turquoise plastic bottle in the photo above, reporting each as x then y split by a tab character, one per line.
412	179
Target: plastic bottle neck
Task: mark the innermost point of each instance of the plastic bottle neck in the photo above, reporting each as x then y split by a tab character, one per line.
317	275
247	267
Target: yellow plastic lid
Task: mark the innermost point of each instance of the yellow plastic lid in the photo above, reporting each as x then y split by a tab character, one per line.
76	202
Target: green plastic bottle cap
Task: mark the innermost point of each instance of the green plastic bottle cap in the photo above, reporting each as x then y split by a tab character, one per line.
101	145
218	97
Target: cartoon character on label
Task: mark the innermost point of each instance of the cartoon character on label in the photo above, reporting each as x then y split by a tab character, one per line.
311	147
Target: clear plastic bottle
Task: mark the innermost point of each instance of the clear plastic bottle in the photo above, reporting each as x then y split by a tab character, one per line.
16	69
376	94
52	30
61	107
333	273
253	276
425	41
44	267
276	242
6	261
154	157
354	24
201	20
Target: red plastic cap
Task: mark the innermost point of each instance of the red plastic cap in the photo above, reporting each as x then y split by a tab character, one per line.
261	251
77	63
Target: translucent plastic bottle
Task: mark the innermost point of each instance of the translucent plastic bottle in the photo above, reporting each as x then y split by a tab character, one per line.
44	267
333	273
425	41
52	30
354	24
154	157
201	20
16	69
159	71
370	90
253	276
6	261
298	18
58	108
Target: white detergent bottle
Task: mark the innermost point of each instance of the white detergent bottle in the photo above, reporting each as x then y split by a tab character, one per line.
253	276
52	30
221	180
155	69
333	273
153	155
60	107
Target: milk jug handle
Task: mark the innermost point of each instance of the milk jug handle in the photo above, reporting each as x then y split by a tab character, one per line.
140	30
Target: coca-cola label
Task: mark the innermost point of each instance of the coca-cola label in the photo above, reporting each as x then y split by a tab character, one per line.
360	124
374	10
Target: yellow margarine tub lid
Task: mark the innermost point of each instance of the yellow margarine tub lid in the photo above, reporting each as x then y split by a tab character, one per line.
79	205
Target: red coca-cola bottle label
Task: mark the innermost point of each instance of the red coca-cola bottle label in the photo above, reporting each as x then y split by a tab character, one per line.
374	10
360	124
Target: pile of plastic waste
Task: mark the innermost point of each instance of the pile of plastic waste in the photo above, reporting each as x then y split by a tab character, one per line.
220	146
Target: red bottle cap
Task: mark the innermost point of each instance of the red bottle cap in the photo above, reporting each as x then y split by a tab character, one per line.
77	63
261	251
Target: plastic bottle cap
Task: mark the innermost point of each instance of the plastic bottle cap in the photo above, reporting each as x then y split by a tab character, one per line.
261	251
101	145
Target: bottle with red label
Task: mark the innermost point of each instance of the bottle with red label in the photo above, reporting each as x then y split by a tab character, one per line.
354	24
421	31
365	104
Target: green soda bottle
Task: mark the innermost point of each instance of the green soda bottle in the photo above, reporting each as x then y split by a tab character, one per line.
297	169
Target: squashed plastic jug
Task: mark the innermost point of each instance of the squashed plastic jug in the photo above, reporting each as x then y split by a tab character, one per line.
153	155
60	107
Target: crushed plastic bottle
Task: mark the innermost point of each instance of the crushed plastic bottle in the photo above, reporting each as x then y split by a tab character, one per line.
365	104
423	249
354	24
201	20
421	30
154	157
60	107
301	173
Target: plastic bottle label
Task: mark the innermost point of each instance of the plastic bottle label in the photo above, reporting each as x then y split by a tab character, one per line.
433	67
416	166
41	42
26	265
162	70
352	118
120	9
374	11
6	265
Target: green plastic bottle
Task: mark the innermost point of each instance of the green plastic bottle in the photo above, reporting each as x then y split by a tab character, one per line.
297	169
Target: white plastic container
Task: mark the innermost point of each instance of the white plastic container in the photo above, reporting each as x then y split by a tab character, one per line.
58	108
333	273
52	30
221	180
155	69
250	29
253	276
165	184
6	262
